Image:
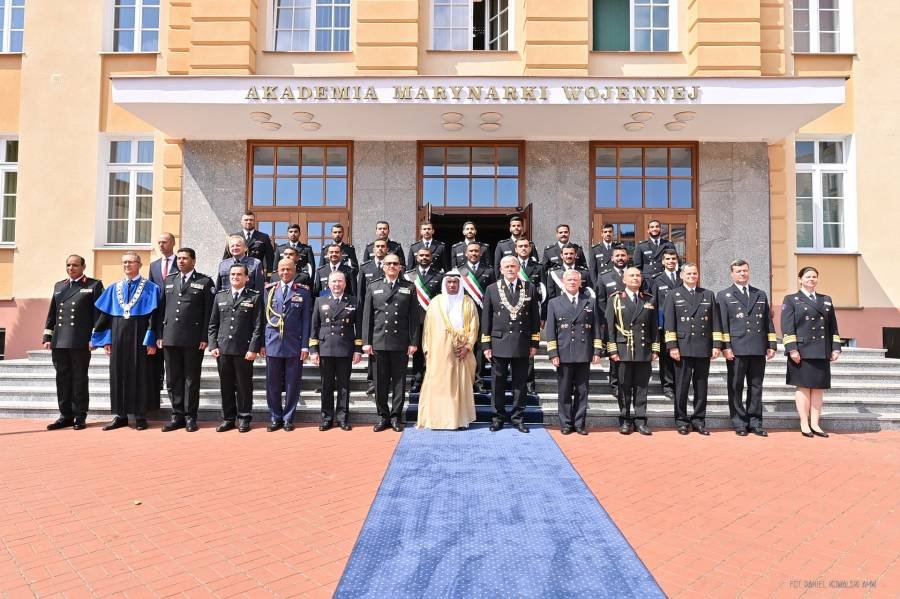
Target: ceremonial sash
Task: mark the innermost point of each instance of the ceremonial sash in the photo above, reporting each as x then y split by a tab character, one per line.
471	286
422	292
523	276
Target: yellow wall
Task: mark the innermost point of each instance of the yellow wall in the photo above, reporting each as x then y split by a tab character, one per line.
10	79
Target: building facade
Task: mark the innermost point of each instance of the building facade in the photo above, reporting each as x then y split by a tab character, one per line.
745	127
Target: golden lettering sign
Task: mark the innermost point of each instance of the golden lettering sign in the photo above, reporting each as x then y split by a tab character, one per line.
476	93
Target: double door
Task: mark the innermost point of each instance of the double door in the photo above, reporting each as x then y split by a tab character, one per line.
315	226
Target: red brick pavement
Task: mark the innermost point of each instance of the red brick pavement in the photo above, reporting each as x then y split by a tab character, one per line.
725	516
257	514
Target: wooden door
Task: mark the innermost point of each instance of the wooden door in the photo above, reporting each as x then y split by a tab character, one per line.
315	226
680	229
627	228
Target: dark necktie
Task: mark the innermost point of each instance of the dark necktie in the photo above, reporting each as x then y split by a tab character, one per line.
691	291
129	290
574	301
184	282
512	289
284	292
620	271
672	278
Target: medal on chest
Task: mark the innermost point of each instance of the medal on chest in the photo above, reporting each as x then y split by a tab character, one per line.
120	297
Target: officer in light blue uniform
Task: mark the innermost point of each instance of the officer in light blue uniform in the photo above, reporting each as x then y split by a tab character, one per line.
288	311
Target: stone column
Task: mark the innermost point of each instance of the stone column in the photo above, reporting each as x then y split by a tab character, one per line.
384	188
556	184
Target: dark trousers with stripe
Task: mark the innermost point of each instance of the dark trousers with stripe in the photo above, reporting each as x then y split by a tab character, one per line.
390	376
691	372
183	367
283	374
500	368
572	393
72	394
236	386
751	369
335	376
634	379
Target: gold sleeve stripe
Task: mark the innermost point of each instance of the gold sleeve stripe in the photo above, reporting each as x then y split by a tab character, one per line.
790	339
598	343
671	336
313	342
611	347
48	332
536	337
551	345
717	336
836	338
358	342
771	336
485	338
726	337
654	346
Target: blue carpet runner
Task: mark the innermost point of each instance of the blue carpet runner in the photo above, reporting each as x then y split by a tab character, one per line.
480	514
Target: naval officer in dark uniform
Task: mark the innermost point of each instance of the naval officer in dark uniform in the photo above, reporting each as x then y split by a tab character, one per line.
475	276
648	253
331	263
574	336
391	332
237	246
601	253
510	334
235	338
693	337
569	262
427	280
748	340
67	334
383	233
459	253
288	312
552	257
304	270
507	247
259	245
369	272
186	304
610	283
661	285
632	341
306	256
440	251
348	252
335	344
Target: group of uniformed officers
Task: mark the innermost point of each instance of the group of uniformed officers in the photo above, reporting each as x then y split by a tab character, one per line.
276	303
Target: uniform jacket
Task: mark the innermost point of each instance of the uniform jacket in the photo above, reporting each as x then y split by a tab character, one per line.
458	253
483	274
348	256
394	247
156	271
302	277
287	320
391	316
609	283
236	328
507	336
600	257
320	284
535	273
507	247
368	272
553	289
185	310
648	256
302	250
661	285
692	322
336	330
71	315
257	276
574	333
260	247
552	256
431	281
810	328
440	253
631	327
747	327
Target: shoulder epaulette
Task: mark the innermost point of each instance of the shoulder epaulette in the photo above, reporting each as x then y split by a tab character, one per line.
272	284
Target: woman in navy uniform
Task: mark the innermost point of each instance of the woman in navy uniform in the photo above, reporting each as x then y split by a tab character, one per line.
811	342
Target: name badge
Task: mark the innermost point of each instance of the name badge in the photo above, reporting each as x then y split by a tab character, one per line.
297	299
663	286
348	308
91	291
827	303
196	285
246	304
647	252
223	303
611	284
404	290
377	291
326	307
170	286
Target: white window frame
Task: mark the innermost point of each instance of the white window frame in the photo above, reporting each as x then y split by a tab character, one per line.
7	167
845	29
109	19
6	28
848	170
510	33
311	46
133	168
672	26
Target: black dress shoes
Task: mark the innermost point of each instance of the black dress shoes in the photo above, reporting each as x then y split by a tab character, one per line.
522	427
581	431
174	425
625	429
190	424
759	432
79	424
140	424
345	426
669	394
244	426
683	429
808	435
289	426
226	425
567	430
370	390
381	425
819	433
397	425
274	426
60	423
326	424
701	429
496	426
740	432
644	430
115	423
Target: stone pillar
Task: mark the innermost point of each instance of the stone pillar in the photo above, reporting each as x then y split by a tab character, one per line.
556	185
384	188
734	212
214	192
557	37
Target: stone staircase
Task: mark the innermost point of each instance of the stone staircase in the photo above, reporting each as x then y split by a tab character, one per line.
865	393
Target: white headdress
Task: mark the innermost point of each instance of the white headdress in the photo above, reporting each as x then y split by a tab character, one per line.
453	304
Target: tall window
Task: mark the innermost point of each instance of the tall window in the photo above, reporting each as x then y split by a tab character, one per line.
822	25
9	162
135	26
130	191
471	25
823	194
635	25
294	175
461	176
312	25
643	177
12	25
